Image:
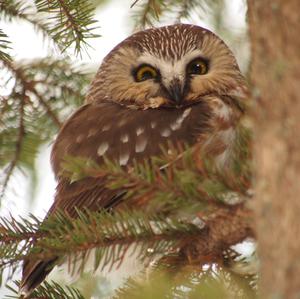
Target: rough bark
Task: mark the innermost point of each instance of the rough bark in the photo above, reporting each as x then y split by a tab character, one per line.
275	75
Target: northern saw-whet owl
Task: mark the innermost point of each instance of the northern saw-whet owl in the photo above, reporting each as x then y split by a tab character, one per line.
158	87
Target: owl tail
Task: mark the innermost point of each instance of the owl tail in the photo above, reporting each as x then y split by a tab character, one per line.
34	272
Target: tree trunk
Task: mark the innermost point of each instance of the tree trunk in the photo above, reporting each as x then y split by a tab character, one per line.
275	75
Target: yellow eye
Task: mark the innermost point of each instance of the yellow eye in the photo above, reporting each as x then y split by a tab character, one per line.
145	72
198	66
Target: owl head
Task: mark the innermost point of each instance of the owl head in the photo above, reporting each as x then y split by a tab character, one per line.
170	66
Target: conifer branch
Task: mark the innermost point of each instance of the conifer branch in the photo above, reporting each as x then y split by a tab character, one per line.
70	21
43	88
29	86
211	281
48	290
21	132
4	46
185	211
12	10
184	178
62	235
149	12
146	12
190	222
186	7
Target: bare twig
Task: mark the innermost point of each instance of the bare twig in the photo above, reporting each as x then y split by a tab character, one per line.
134	3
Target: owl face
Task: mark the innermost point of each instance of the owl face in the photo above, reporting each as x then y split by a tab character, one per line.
168	66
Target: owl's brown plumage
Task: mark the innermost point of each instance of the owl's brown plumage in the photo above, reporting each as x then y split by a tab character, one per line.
178	83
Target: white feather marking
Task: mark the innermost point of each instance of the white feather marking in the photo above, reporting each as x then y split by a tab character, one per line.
165	132
122	122
79	138
139	131
124	138
237	92
176	125
92	132
186	112
103	147
228	137
106	128
123	159
141	144
180	119
223	111
153	124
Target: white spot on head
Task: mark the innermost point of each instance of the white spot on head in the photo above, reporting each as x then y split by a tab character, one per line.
124	138
103	147
140	145
165	132
124	157
140	130
106	127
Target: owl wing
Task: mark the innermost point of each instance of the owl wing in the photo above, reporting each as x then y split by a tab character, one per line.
124	135
107	129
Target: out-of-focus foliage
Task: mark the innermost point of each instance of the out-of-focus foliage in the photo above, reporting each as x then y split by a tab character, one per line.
39	94
66	22
4	46
152	12
51	290
191	282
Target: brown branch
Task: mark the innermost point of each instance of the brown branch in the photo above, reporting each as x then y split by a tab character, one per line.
227	227
70	18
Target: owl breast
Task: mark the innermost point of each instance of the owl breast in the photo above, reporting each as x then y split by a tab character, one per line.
121	134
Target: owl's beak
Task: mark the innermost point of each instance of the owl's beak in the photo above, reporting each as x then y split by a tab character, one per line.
176	91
